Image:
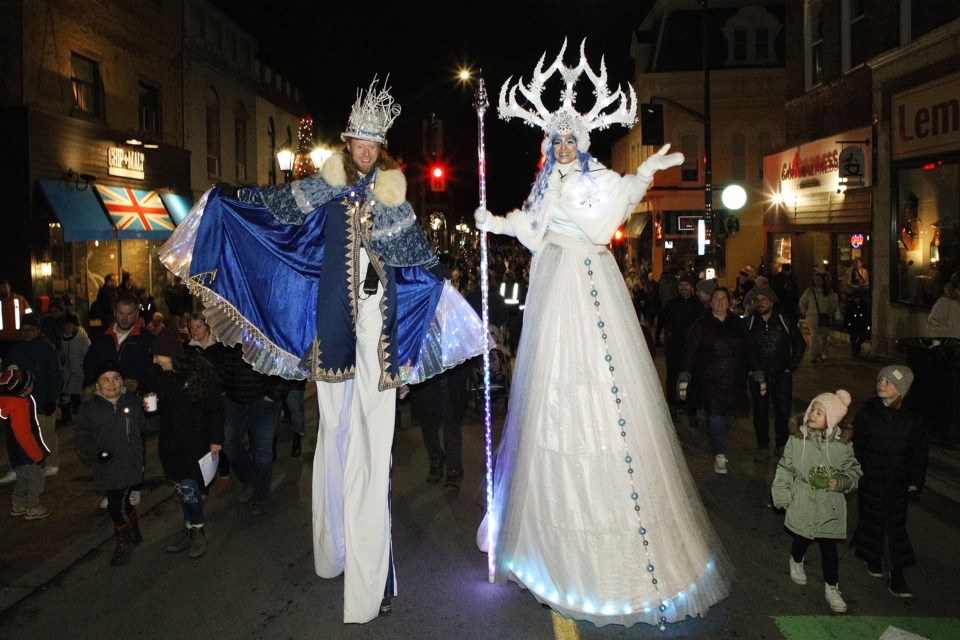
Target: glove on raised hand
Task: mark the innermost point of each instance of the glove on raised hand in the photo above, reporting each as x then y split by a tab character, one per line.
483	219
659	161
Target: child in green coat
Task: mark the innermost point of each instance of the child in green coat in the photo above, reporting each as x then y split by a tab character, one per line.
817	467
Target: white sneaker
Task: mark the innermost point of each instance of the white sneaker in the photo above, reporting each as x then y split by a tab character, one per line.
720	463
832	594
797	574
134	498
51	471
103	503
9	478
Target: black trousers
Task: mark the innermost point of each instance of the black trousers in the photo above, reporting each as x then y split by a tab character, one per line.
780	396
829	560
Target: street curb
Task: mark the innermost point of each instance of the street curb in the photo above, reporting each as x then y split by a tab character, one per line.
26	584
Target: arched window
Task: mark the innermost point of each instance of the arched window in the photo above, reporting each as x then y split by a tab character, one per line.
213	133
764	148
738	157
240	118
272	146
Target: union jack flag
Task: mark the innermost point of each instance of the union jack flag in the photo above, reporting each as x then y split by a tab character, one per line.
135	210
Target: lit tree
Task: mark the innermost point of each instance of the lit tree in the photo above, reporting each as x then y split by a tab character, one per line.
302	164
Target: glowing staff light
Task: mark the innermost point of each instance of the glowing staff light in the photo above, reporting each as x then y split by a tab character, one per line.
480	103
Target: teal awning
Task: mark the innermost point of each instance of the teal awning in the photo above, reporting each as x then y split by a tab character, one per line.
177	206
80	214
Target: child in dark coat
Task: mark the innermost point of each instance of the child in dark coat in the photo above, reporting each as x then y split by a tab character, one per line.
890	441
108	436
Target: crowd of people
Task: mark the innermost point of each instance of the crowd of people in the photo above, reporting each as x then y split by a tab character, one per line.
212	389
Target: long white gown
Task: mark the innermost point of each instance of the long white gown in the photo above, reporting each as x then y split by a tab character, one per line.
595	511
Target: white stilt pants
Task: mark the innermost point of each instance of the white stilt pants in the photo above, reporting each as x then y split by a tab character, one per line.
351	475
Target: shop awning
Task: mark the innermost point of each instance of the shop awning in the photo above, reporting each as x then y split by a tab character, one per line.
177	206
79	212
136	214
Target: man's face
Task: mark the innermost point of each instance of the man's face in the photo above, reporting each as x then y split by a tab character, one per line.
685	289
111	281
125	316
4	291
364	153
762	305
29	332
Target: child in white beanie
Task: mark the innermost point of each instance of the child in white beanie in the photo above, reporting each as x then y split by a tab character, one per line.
890	441
817	467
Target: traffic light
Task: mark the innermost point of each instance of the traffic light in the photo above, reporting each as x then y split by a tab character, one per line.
438	178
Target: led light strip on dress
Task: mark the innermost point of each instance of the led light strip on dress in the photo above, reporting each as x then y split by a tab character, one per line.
627	458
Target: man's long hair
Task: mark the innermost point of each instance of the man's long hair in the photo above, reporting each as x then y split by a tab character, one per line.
384	161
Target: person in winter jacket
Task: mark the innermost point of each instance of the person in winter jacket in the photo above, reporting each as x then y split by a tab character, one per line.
108	437
817	468
25	446
204	343
719	356
677	317
74	343
34	353
819	300
890	441
190	412
944	318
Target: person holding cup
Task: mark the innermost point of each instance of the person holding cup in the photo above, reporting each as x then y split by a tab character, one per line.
190	412
817	467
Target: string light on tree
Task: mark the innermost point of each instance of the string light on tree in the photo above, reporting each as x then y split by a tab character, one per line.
303	164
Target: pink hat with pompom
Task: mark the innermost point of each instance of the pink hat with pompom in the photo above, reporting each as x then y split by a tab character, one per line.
835	405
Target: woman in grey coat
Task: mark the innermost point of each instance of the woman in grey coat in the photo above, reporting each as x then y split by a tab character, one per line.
108	436
74	343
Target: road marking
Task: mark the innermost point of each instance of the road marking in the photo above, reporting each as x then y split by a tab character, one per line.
865	627
564	628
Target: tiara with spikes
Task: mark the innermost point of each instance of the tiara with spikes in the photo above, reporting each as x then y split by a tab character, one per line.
566	119
372	114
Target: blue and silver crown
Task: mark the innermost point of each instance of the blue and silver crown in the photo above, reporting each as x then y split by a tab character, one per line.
372	114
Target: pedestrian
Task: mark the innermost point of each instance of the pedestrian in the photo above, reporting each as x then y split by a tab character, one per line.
677	317
25	446
13	308
34	353
107	295
190	412
440	405
719	357
108	436
779	348
890	441
818	466
818	305
787	288
74	344
178	299
944	318
586	409
204	343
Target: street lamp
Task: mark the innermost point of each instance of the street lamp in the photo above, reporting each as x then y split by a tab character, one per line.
318	156
285	159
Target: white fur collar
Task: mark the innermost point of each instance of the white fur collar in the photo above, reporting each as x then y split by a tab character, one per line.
390	187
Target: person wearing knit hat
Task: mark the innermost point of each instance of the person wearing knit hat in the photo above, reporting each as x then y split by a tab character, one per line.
818	466
30	320
890	440
26	448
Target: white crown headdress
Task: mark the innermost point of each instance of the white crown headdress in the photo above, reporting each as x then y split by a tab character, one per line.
372	114
567	119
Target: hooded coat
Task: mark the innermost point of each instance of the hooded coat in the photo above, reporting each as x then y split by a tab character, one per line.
116	429
891	444
719	356
811	512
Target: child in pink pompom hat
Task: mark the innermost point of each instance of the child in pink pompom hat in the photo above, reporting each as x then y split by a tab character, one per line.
818	466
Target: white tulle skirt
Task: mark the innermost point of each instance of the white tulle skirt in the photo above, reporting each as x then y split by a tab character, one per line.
595	511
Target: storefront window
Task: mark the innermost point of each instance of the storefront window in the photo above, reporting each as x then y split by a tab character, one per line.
926	232
781	249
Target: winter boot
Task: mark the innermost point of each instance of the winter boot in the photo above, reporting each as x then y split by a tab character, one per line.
121	554
135	537
198	541
435	472
182	543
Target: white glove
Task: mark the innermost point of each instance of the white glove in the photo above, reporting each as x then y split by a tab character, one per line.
659	161
763	389
682	390
483	219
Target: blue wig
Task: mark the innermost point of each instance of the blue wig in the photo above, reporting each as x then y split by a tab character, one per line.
543	178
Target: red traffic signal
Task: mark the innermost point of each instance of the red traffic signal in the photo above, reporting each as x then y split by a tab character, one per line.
438	178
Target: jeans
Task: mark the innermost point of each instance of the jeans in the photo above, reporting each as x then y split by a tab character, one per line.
452	438
717	427
294	404
29	486
190	501
780	395
258	421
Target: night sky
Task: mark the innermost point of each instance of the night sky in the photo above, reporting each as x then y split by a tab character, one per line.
331	48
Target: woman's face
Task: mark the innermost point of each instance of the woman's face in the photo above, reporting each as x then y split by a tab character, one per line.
565	148
719	303
198	331
110	385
